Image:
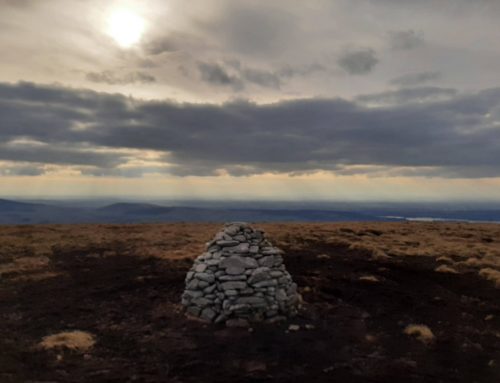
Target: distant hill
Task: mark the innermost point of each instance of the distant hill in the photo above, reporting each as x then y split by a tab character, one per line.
12	212
15	212
7	206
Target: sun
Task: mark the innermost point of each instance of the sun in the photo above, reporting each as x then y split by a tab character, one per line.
125	27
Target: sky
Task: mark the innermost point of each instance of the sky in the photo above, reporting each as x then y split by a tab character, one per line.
389	100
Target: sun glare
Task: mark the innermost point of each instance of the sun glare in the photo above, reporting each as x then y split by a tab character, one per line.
125	27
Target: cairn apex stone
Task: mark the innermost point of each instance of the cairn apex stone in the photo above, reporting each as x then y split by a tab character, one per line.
240	278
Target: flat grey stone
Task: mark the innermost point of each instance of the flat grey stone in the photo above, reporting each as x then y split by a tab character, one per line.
231	293
235	270
278	260
233	285
242	248
193	284
247	291
238	262
200	268
210	289
206	256
267	261
239	307
281	295
254	249
193	293
202	285
208	314
189	276
259	274
276	319
201	301
227	243
284	280
251	300
269	282
270	251
232	230
225	278
207	277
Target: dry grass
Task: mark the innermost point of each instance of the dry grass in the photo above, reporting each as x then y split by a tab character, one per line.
24	264
369	278
73	340
421	332
491	275
473	247
446	269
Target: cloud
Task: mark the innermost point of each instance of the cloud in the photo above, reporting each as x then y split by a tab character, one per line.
261	77
62	154
288	71
408	95
455	136
214	73
21	170
413	79
17	3
174	41
358	62
237	76
254	30
111	78
406	40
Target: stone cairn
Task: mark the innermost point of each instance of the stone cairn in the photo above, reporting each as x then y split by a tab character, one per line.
240	278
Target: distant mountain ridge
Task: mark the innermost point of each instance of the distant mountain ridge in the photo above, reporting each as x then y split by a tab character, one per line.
15	213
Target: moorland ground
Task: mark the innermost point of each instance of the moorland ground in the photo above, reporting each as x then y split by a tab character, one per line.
116	289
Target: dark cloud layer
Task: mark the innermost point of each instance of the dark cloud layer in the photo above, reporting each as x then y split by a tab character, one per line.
457	136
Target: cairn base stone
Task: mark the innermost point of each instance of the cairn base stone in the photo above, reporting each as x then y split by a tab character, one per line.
240	278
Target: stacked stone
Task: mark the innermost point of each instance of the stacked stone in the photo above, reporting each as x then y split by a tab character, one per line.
241	277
